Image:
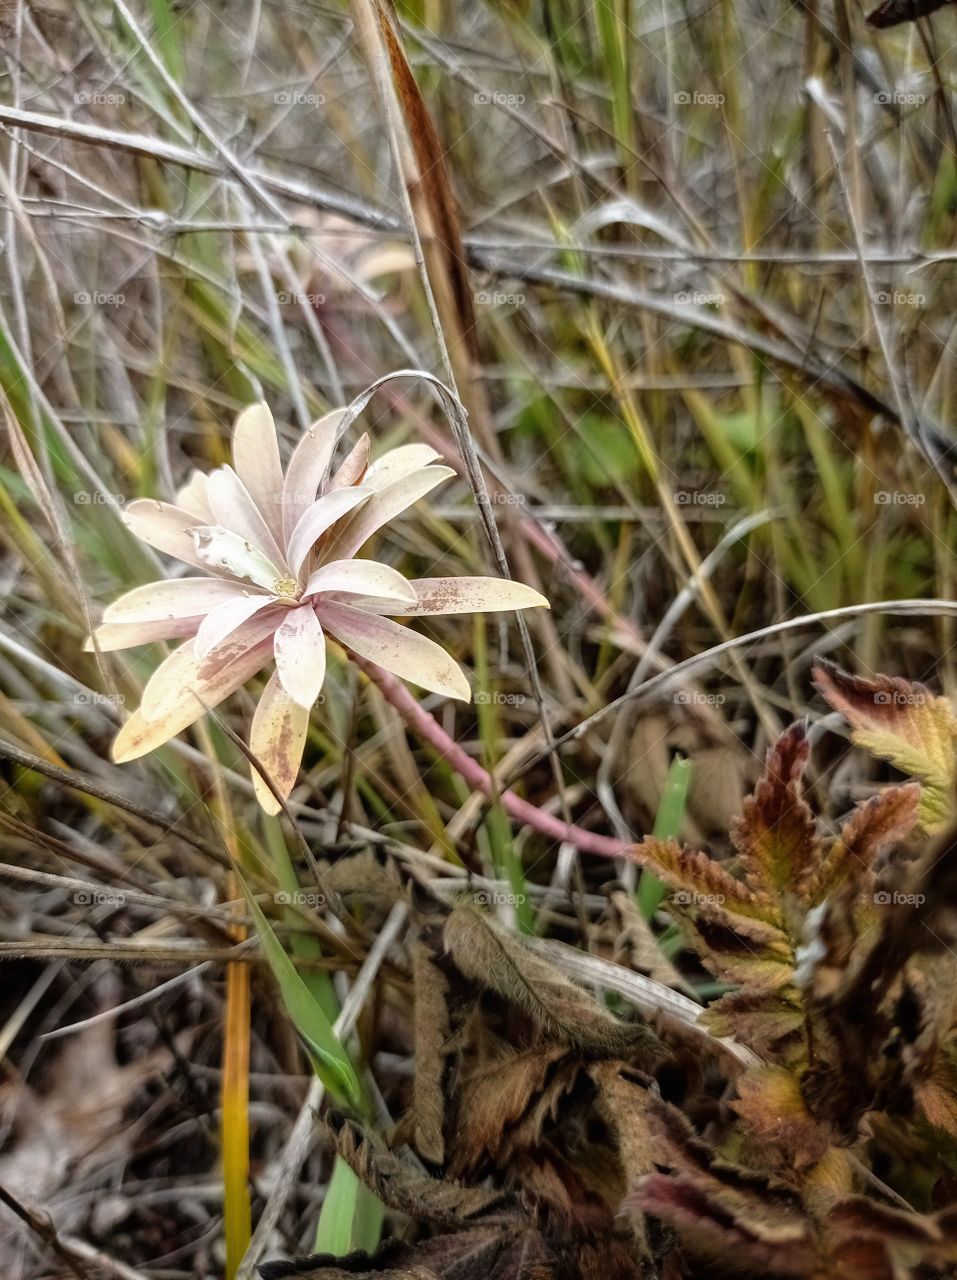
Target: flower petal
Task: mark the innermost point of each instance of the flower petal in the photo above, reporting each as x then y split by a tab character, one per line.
353	466
222	549
322	515
459	595
277	738
112	636
362	578
193	497
403	652
307	468
226	618
173	598
141	735
300	649
233	508
165	527
385	506
396	463
185	668
257	462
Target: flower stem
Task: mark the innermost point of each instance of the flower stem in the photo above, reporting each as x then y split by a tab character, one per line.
428	728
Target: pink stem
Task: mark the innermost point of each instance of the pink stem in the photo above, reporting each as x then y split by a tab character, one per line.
427	727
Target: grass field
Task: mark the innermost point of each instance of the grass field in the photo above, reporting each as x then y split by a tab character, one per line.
671	290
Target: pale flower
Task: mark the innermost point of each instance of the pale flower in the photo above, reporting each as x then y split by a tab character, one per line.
282	549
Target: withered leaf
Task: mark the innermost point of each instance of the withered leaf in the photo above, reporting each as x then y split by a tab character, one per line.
501	963
777	1121
432	1031
877	824
776	835
904	723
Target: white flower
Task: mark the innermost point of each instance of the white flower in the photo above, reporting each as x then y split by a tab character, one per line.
282	550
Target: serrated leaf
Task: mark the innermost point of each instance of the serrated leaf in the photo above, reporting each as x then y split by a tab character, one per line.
904	723
776	835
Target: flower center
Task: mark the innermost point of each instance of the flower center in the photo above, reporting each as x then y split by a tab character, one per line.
287	587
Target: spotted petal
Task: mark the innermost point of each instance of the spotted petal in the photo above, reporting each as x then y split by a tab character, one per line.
397	649
300	649
277	738
227	618
184	669
139	735
458	595
257	462
362	578
223	550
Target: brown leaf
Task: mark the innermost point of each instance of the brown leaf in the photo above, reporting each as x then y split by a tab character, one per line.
498	962
777	1120
904	723
776	835
876	825
432	1032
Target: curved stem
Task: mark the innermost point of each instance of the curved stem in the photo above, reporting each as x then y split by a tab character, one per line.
428	728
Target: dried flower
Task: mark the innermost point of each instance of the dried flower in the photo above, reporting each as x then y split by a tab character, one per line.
285	574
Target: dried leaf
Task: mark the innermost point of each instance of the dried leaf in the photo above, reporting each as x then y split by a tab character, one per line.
432	1032
501	963
876	825
776	834
904	723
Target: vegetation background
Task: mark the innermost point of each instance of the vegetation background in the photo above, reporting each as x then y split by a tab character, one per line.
691	270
